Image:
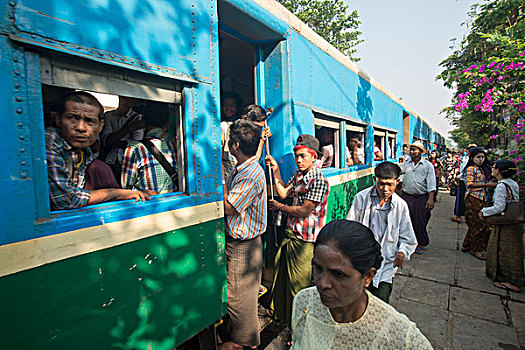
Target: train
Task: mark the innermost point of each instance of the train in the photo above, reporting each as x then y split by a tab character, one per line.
152	274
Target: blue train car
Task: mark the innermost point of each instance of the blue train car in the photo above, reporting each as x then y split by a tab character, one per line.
150	275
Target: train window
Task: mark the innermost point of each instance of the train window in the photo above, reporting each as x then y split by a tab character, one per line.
392	145
328	134
149	106
379	144
355	137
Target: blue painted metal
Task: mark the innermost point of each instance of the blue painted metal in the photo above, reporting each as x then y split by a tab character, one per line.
178	40
250	22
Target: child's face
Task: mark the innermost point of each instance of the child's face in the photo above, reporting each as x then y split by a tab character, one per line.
304	159
229	108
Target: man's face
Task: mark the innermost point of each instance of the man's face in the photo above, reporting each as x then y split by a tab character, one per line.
304	160
415	152
385	187
353	143
79	124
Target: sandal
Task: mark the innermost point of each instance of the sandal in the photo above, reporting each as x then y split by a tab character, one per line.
419	250
455	219
505	285
479	255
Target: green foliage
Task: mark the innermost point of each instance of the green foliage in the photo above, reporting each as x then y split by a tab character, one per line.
484	70
331	20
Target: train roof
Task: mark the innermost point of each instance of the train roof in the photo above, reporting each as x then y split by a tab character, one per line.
308	33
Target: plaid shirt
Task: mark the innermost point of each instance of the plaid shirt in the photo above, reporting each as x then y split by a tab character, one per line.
66	172
141	170
473	174
247	194
312	186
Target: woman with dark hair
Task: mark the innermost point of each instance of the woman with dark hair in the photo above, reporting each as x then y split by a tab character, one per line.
339	313
438	167
505	248
477	184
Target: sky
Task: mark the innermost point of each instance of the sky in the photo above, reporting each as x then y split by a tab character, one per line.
404	42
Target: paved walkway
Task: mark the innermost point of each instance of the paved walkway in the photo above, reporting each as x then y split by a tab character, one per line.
447	294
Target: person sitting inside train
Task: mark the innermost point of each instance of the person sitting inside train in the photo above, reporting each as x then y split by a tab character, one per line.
378	155
79	120
327	158
121	126
356	152
140	168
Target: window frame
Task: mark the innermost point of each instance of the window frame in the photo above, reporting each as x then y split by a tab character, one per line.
361	130
60	70
330	123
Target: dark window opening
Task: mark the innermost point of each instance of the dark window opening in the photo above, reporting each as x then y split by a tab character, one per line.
136	107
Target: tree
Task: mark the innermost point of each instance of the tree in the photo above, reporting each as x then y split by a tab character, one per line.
487	72
331	20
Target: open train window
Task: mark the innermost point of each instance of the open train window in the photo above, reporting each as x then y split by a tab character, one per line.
379	144
328	133
123	94
355	137
392	145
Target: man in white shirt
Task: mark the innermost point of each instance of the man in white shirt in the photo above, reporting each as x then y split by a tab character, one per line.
419	186
386	214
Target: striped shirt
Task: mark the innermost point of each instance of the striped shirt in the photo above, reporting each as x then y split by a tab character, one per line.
312	186
247	194
473	174
141	170
66	172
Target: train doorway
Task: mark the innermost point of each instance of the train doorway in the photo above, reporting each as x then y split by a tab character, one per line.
406	128
237	72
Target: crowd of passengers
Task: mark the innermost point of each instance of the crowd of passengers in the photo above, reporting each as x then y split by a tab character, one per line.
96	157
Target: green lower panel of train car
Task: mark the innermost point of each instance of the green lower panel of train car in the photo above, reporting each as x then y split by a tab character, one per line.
342	195
153	293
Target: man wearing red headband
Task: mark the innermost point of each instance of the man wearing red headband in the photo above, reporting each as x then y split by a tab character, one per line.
306	217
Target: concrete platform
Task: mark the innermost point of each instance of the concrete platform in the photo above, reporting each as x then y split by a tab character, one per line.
447	294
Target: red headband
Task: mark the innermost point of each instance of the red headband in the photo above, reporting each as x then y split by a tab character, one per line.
311	151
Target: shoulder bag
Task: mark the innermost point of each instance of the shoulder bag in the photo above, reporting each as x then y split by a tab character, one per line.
514	212
163	161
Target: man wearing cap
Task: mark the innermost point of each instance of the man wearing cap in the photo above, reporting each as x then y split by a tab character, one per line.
306	217
419	186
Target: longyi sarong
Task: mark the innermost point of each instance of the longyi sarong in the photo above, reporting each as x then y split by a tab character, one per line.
478	232
505	255
99	176
244	269
459	205
419	215
292	272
